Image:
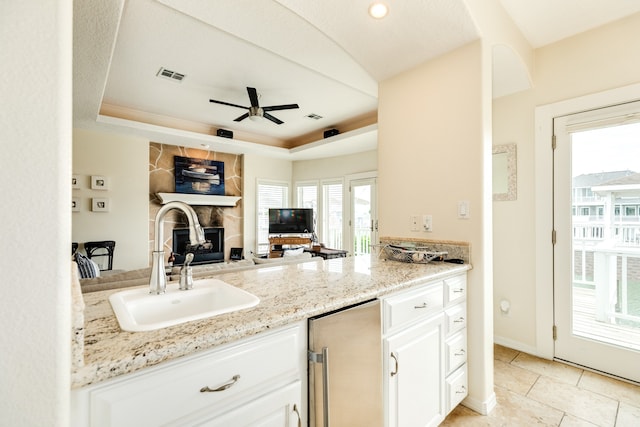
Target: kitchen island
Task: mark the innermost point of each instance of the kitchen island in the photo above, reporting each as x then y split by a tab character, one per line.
288	294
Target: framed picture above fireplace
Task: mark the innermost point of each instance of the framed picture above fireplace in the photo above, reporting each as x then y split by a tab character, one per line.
199	176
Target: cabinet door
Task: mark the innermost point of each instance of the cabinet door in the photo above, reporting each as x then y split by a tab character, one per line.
414	375
280	408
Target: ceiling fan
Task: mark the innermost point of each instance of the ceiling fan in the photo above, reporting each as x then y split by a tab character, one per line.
256	110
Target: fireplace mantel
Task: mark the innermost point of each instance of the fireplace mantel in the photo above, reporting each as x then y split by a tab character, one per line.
198	199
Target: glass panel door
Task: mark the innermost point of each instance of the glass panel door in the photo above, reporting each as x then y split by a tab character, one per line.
364	220
597	251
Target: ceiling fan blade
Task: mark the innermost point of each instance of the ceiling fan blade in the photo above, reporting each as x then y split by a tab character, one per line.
280	107
253	96
241	118
228	103
273	119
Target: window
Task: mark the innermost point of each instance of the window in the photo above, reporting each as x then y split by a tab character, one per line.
327	209
270	195
629	211
332	228
307	196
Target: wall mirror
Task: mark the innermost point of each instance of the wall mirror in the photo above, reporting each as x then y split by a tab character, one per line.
504	167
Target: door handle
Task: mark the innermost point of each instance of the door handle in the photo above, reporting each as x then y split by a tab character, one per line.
295	409
323	358
394	356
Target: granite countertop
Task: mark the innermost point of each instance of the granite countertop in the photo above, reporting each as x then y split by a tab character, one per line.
288	294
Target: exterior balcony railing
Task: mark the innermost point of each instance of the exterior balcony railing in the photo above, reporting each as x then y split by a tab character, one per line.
613	271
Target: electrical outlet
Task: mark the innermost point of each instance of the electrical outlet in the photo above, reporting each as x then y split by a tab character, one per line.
413	223
427	223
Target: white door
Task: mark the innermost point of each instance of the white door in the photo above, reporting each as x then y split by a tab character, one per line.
597	230
364	218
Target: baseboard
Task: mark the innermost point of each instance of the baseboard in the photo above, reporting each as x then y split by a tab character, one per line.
482	407
516	345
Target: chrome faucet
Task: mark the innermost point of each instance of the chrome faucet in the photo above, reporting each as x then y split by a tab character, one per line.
158	280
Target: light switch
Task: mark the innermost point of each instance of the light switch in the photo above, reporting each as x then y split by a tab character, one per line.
427	223
463	209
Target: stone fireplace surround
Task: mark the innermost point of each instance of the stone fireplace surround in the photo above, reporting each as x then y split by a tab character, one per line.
161	180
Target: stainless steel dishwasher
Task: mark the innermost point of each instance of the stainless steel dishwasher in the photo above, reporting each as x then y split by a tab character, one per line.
345	368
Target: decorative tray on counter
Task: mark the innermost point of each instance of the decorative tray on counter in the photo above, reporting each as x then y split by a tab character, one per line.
412	254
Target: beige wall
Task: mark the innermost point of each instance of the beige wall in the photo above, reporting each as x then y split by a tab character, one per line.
335	167
514	232
595	61
122	159
432	150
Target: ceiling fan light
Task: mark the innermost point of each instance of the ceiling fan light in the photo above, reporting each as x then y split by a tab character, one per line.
378	10
255	118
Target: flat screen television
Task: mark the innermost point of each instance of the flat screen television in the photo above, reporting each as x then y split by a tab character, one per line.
290	220
202	256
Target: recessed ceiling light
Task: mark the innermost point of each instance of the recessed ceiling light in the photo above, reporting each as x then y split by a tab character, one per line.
378	10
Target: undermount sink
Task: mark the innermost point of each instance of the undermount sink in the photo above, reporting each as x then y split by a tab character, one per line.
137	310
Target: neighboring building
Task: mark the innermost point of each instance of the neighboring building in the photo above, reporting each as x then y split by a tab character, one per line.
606	205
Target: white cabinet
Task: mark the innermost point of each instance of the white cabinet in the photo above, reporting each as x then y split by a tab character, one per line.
456	340
260	378
425	352
413	333
415	377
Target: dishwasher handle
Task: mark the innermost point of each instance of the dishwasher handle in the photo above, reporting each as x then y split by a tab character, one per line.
323	358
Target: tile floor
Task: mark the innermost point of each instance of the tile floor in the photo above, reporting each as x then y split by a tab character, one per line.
533	391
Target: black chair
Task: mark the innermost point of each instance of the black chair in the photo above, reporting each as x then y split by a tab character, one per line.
74	248
101	249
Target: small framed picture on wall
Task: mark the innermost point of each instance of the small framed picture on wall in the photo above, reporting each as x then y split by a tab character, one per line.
99	182
75	204
75	181
99	204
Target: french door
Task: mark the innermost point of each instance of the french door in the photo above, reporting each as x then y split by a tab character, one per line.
364	218
596	208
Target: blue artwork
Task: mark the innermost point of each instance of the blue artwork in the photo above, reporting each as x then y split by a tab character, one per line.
199	176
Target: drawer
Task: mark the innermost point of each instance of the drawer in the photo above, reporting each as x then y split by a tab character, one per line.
164	394
409	306
455	288
456	387
456	318
456	351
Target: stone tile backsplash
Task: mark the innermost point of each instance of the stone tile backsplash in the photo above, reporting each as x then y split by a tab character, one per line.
162	180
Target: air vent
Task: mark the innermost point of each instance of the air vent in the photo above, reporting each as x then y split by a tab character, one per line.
171	75
314	116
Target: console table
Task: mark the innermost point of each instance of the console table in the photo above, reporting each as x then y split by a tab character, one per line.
279	242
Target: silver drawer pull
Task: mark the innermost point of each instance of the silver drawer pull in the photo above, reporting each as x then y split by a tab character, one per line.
423	305
223	387
461	353
462	390
459	320
458	291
